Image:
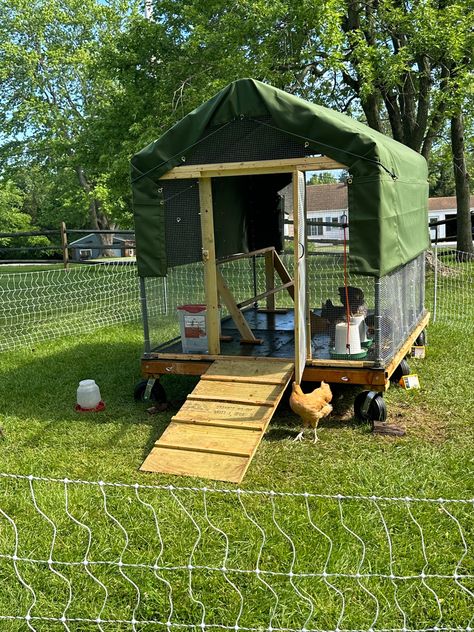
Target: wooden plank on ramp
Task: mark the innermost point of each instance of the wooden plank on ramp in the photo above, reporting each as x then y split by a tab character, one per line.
218	429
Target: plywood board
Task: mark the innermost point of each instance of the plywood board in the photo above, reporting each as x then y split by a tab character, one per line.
216	466
254	368
233	441
223	410
246	390
216	432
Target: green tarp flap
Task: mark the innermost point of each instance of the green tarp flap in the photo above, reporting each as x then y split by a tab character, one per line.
388	189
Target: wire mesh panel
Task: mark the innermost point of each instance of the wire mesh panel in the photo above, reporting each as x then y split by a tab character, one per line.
401	305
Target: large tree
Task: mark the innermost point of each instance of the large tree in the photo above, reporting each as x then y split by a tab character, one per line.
406	66
49	93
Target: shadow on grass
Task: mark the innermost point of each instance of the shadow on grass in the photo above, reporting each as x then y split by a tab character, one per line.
38	391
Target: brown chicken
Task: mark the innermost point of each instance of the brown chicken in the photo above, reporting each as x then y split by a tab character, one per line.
311	407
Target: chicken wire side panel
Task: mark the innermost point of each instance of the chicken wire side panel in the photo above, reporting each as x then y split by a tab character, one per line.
325	277
401	305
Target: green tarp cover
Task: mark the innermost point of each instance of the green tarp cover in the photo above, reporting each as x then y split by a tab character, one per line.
388	189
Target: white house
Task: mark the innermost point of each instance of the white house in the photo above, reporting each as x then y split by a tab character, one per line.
328	203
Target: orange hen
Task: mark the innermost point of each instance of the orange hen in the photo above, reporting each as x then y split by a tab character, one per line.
311	407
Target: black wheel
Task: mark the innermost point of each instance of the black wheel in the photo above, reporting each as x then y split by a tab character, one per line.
370	406
157	393
421	340
402	369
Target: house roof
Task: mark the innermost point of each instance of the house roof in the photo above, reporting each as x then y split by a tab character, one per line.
127	237
445	203
326	197
333	197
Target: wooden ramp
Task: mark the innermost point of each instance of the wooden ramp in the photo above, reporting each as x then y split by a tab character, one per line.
219	427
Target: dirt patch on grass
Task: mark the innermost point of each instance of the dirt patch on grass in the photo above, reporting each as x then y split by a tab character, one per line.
415	418
419	421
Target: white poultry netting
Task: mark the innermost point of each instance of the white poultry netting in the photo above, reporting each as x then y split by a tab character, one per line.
91	555
43	305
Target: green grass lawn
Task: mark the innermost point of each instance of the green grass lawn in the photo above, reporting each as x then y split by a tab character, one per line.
44	436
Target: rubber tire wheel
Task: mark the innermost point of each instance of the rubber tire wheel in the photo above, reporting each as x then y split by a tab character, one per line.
402	369
157	394
377	409
421	340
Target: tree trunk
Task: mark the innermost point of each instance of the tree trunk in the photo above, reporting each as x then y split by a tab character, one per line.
97	219
461	178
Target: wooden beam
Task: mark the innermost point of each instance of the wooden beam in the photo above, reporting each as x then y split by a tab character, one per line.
255	167
210	269
299	366
284	274
270	279
237	316
245	255
258	297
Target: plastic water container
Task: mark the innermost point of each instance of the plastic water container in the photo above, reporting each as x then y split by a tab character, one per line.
192	324
88	395
341	339
360	321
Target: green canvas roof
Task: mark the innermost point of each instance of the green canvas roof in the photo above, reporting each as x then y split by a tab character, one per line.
387	191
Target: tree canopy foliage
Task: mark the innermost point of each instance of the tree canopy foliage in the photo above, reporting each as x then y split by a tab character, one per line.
85	84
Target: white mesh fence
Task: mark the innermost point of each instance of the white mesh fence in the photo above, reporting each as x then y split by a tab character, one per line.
78	555
450	288
39	306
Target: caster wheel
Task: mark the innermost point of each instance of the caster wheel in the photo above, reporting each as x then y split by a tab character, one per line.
421	340
370	406
157	393
402	369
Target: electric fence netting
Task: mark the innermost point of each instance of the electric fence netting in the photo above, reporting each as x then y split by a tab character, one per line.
80	555
44	305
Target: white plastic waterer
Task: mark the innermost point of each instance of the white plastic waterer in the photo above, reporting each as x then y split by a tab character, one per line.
88	395
342	341
360	321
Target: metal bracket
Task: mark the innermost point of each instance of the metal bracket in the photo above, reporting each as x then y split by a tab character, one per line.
149	386
367	401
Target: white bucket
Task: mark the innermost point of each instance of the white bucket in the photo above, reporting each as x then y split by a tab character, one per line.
88	394
360	322
341	339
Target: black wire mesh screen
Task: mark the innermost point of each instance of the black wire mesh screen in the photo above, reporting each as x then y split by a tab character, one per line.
239	140
244	140
182	222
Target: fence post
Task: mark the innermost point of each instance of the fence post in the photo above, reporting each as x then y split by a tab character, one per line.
63	231
435	297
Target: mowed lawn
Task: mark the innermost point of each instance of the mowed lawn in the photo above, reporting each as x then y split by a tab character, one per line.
44	436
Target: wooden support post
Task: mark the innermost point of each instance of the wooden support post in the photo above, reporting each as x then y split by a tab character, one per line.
283	274
209	262
309	349
238	317
63	231
299	278
270	279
